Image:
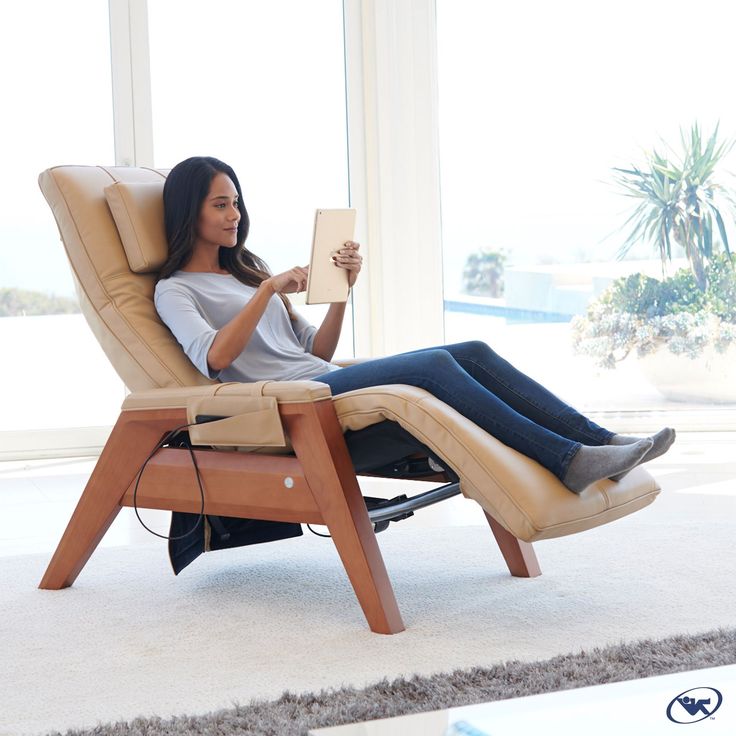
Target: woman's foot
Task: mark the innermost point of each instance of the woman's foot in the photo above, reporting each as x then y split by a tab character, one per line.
661	442
590	464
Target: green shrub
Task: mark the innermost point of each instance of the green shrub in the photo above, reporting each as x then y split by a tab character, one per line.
483	273
721	290
639	314
20	302
644	296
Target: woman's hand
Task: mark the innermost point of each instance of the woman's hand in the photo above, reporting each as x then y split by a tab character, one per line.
289	282
349	259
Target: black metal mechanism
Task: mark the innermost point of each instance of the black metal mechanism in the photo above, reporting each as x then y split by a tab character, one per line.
389	451
383	511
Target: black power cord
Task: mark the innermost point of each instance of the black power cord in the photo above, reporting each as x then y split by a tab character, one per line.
160	445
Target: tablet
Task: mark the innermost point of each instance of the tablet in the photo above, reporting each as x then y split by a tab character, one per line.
326	283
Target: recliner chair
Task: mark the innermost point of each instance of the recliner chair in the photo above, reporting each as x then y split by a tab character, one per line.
277	453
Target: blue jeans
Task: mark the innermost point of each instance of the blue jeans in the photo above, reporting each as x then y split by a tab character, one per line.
489	391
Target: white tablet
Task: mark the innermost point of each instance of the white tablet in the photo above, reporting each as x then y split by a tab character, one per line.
326	282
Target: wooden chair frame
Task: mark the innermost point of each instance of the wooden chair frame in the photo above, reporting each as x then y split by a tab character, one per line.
316	485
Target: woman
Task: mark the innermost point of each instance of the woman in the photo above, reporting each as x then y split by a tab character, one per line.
231	316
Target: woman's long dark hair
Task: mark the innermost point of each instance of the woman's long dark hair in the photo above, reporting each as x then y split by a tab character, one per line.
185	191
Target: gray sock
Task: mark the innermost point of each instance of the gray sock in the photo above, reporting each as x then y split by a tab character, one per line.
590	464
661	442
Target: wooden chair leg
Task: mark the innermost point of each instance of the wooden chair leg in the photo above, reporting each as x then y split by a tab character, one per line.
129	444
520	556
318	442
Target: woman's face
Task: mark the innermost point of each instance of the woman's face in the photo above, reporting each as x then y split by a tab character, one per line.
219	215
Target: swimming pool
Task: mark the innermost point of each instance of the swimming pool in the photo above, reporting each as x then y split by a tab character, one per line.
511	314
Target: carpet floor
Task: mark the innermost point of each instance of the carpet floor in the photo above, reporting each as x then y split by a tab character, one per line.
295	714
129	639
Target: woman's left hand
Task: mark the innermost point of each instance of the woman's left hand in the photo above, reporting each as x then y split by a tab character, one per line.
349	259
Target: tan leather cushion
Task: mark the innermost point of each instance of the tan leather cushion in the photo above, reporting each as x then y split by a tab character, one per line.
138	211
518	492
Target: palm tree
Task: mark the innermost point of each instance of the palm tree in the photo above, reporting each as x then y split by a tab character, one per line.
679	200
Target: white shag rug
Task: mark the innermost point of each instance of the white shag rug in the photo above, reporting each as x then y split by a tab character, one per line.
130	639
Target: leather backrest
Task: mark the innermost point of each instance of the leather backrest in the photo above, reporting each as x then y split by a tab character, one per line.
117	303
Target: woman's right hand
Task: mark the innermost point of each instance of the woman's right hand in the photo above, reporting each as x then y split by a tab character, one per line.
289	282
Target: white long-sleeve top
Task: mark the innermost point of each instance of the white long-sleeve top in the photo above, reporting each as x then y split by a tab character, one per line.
194	306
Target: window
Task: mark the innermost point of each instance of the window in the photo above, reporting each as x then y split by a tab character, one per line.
59	111
538	102
266	97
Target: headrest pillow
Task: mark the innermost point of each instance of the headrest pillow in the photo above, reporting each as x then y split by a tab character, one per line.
138	211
